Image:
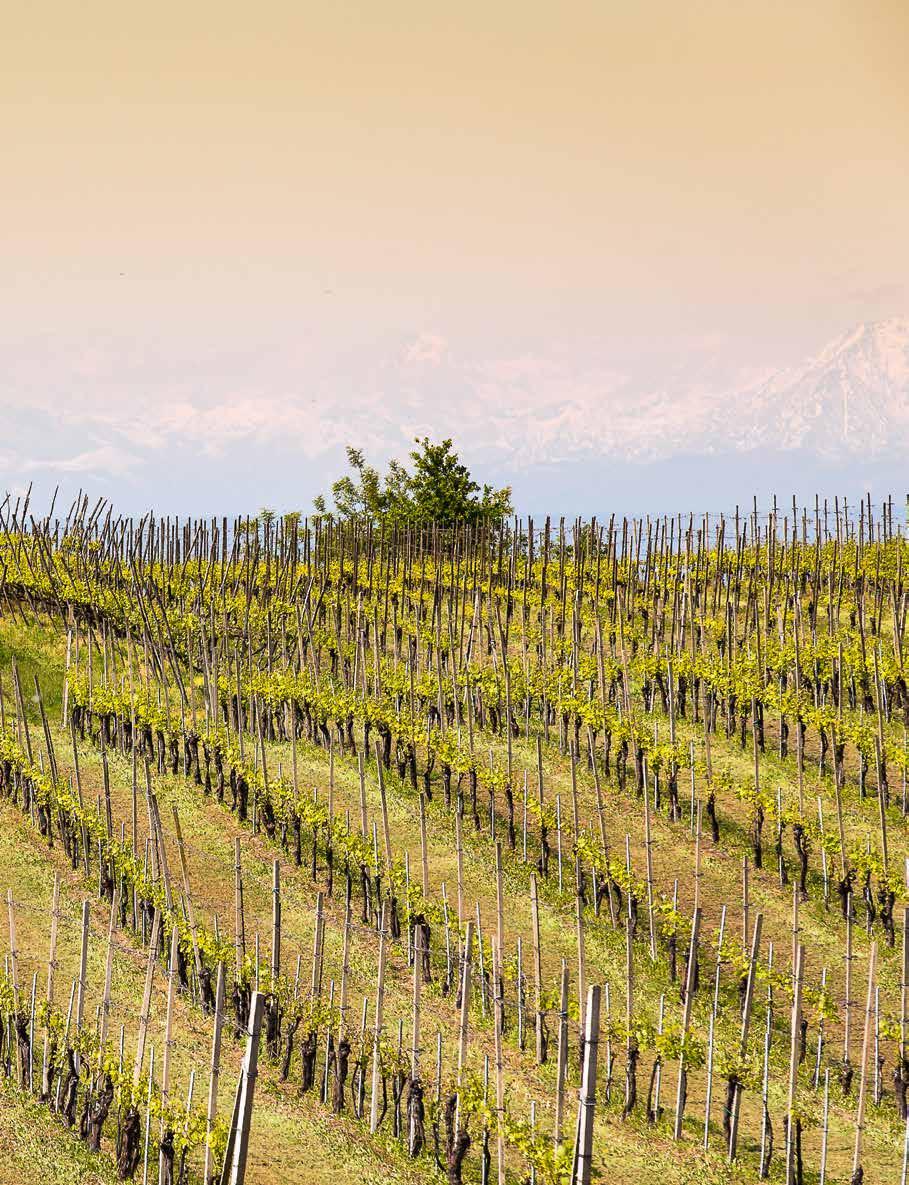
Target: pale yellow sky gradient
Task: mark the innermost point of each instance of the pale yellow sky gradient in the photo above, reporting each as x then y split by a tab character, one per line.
327	182
607	145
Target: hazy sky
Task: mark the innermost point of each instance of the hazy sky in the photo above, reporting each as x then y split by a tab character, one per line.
232	226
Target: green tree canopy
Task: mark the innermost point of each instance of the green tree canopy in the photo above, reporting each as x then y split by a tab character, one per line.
438	488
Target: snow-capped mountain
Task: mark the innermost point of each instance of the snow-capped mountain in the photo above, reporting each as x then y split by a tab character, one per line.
851	397
561	425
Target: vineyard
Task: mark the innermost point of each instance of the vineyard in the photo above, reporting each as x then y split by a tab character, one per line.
537	852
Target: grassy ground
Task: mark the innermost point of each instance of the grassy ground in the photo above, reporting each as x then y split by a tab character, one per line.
35	1147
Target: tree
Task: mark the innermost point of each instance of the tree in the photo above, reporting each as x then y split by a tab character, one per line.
363	494
439	489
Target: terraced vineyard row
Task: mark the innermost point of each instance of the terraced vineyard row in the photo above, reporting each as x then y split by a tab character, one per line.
542	853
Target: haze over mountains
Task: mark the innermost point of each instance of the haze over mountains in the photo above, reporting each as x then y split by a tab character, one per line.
850	398
641	435
837	422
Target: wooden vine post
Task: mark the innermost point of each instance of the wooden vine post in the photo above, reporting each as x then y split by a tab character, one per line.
275	922
51	971
187	896
561	1057
537	972
857	1171
211	1110
415	1023
743	1040
377	1028
463	1025
237	1151
145	1013
168	1040
792	1133
498	1031
83	970
583	1157
239	921
108	970
13	960
682	1084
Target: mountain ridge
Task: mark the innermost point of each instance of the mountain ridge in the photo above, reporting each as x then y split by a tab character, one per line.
849	398
852	396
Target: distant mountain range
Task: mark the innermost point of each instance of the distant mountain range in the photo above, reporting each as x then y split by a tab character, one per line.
849	400
563	433
852	397
838	423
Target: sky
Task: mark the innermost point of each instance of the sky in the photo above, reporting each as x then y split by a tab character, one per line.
237	237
